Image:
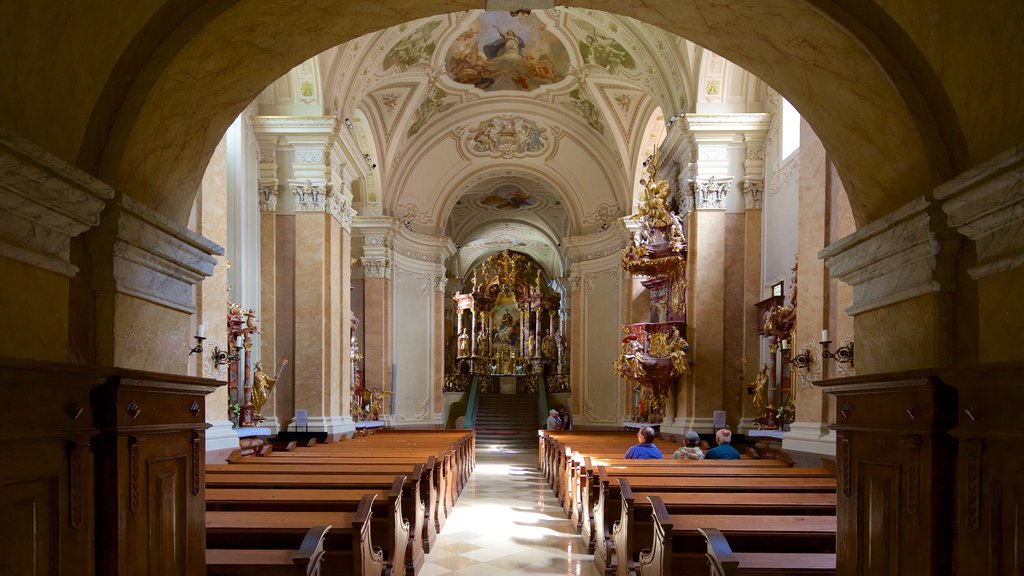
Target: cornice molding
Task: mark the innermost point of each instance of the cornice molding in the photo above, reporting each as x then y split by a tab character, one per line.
597	245
45	203
906	254
986	204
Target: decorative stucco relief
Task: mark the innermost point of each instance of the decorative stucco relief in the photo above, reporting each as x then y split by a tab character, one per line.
506	136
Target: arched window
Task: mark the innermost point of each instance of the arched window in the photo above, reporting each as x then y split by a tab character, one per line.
790	130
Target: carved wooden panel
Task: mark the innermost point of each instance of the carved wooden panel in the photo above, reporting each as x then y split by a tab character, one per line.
29	527
990	475
167	539
895	475
879	514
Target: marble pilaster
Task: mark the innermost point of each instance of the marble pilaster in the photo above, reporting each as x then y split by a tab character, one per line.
902	274
209	216
319	344
145	268
45	203
705	325
986	204
267	315
376	233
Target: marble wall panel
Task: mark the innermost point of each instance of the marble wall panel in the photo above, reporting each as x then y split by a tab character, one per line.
601	332
733	388
210	216
311	308
268	305
35	314
149	337
707	261
413	334
284	286
1000	311
814	293
752	294
376	324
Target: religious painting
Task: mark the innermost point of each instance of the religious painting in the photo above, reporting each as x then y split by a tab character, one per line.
414	48
508	198
507	136
608	53
503	52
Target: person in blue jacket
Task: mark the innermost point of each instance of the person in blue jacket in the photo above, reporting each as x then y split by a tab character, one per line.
645	450
724	450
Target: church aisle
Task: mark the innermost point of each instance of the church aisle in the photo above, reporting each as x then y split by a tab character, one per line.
507	521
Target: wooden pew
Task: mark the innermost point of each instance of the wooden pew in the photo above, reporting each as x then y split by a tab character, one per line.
302	562
679	548
348	546
428	527
635	524
724	562
403	545
606	496
580	497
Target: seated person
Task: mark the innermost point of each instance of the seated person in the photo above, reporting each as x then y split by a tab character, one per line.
724	450
691	448
553	422
645	450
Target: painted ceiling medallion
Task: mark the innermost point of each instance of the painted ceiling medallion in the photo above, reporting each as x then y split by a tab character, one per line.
507	136
508	198
501	52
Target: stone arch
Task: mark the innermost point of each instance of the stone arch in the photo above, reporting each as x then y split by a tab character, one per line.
869	95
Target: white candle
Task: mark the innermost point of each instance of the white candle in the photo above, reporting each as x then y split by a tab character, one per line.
824	335
785	344
238	341
202	331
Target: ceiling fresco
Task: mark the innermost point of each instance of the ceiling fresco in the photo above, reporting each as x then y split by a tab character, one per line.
499	51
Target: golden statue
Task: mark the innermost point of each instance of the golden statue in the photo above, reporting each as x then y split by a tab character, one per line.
263	385
760	392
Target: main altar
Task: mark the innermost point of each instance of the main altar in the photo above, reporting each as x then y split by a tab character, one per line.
508	323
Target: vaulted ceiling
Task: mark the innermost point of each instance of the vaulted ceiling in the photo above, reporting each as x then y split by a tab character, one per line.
508	132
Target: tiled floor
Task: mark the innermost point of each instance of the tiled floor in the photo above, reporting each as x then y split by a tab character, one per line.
507	521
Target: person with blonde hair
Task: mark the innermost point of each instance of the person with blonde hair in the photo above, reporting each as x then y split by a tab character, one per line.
724	450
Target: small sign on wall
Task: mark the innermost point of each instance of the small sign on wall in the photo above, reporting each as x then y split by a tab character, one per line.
718	419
